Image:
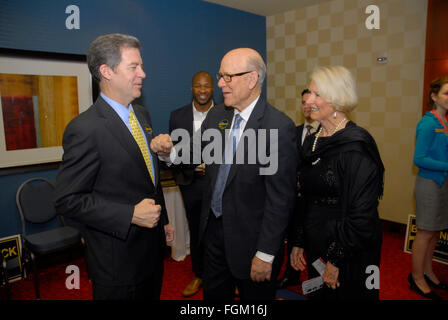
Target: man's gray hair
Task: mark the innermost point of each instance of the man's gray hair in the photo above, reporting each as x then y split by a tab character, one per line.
256	63
106	49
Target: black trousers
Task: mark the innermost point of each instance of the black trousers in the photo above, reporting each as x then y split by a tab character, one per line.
219	283
192	196
149	289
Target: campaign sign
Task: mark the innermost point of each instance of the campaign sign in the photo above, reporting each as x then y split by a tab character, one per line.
10	248
441	250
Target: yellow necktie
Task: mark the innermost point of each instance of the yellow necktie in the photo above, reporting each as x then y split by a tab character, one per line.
138	136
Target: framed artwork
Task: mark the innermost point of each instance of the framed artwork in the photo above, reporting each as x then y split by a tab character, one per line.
39	94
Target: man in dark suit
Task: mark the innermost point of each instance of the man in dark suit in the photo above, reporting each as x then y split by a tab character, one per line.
191	180
247	204
110	183
291	277
309	126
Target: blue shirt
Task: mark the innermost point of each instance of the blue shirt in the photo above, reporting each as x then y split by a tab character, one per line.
123	113
431	150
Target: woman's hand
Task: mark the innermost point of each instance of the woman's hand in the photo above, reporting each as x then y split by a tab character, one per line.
298	259
330	276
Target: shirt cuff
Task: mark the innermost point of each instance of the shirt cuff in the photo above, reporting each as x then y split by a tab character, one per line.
265	257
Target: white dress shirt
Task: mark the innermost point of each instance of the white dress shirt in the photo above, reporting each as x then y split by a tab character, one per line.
245	114
199	117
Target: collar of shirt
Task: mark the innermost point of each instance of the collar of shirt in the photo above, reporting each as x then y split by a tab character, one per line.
121	110
202	114
123	113
314	124
198	117
245	114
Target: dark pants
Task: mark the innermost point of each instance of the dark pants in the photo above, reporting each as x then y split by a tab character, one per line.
149	289
219	283
192	196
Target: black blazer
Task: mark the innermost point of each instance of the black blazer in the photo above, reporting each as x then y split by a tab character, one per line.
182	118
256	208
102	176
300	133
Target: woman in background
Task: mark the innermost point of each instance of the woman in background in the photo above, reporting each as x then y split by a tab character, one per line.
431	190
341	180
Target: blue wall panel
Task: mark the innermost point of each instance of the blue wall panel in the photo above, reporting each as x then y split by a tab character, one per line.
179	38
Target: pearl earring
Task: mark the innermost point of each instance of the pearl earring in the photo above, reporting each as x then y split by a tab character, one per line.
334	115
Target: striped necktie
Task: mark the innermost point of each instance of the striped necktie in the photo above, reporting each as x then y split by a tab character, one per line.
140	139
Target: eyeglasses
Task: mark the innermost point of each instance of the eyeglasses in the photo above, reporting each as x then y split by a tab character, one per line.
228	77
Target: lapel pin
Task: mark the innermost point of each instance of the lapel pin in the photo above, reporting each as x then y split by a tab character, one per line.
223	124
148	130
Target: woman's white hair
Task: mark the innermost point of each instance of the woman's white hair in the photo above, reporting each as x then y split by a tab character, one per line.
337	86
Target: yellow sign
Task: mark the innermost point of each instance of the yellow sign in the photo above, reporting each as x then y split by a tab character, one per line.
11	249
441	250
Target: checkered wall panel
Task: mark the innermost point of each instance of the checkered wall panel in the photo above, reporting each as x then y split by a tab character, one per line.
390	95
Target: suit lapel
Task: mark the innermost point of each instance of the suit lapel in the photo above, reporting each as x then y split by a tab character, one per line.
122	134
188	120
147	128
253	124
300	132
222	121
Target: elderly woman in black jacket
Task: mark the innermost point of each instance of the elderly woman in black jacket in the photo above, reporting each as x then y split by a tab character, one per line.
341	180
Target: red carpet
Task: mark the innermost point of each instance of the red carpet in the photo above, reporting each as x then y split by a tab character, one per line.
394	269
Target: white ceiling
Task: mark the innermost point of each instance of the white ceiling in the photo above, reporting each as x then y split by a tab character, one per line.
266	7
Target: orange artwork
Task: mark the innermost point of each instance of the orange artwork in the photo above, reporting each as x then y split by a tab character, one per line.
36	109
